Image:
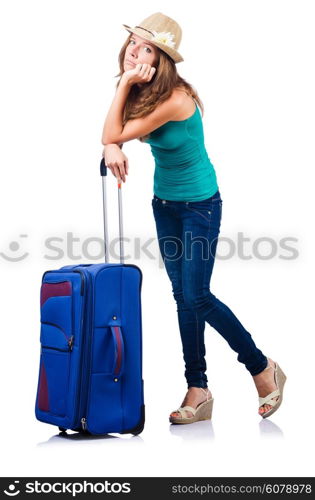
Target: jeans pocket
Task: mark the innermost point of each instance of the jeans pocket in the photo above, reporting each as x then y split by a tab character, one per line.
203	211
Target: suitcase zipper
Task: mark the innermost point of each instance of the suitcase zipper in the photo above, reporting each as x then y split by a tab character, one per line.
83	335
85	329
83	423
82	280
86	361
70	342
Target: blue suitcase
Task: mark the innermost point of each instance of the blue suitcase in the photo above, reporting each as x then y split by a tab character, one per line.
90	372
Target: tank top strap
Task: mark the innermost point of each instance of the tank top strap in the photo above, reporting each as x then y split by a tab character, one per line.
195	101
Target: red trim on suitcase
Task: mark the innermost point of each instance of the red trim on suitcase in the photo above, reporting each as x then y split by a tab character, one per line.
54	290
43	402
119	346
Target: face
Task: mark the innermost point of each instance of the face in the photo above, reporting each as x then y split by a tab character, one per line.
139	50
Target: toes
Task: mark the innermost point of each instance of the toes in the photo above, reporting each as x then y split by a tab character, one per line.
174	414
177	414
264	409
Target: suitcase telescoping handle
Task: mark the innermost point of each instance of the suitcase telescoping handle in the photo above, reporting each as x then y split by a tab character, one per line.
103	171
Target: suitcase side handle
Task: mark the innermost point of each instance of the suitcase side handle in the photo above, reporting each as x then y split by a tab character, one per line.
119	352
103	172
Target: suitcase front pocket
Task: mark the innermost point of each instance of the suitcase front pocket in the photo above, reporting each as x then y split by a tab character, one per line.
56	344
53	381
56	313
52	337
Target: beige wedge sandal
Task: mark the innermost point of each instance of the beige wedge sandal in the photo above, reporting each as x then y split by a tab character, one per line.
202	412
280	379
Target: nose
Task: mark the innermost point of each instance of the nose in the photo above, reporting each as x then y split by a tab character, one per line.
133	52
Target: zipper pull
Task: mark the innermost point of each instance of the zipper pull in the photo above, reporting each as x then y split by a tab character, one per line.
83	423
70	342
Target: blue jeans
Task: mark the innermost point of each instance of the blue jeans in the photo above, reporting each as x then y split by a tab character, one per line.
188	236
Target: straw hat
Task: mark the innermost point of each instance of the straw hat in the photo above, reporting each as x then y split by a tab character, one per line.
161	31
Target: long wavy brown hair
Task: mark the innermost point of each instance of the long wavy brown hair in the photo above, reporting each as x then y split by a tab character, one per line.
142	100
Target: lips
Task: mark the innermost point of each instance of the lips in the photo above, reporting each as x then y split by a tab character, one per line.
130	62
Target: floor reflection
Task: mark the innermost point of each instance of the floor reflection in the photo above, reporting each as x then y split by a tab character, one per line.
198	431
267	428
63	438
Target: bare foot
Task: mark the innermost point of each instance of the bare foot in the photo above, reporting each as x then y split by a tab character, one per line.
265	384
194	397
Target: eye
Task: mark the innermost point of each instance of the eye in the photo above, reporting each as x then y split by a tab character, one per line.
148	49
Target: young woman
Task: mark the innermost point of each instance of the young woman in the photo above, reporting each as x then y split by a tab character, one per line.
155	105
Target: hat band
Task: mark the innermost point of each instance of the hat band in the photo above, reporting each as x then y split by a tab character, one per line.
145	30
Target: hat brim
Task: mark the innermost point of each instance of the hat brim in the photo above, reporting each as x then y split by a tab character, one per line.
174	54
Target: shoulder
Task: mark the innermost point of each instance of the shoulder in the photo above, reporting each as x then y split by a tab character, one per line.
176	97
183	100
179	96
172	104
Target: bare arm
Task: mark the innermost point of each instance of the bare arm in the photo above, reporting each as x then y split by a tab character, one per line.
114	132
113	123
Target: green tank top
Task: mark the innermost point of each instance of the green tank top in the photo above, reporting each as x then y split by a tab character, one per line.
183	170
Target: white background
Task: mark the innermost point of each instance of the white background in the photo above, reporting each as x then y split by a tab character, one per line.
252	63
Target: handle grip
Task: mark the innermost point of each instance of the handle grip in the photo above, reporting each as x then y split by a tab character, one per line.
118	365
103	168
